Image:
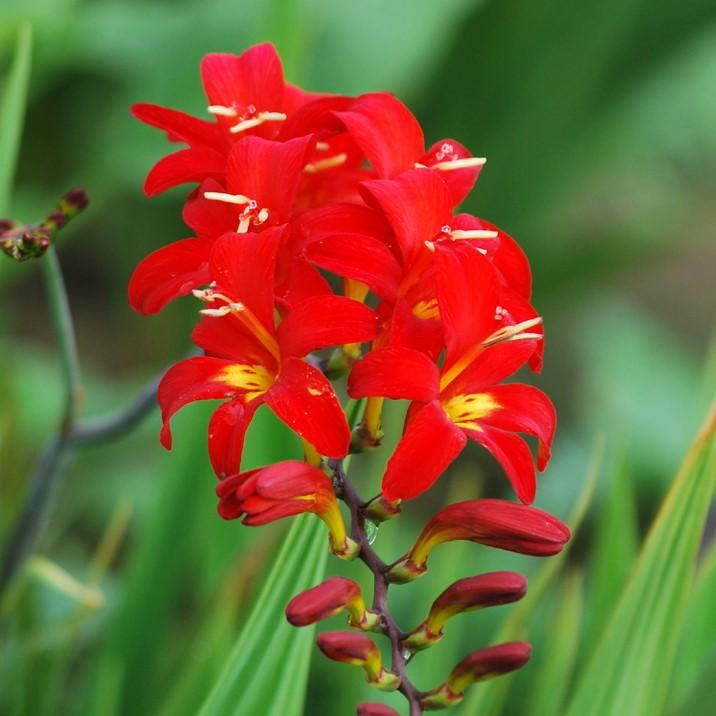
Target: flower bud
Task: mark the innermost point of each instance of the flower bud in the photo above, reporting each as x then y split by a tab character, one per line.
484	590
495	523
380	510
286	488
329	598
358	650
374	709
480	665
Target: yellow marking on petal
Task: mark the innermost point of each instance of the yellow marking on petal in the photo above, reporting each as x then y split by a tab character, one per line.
427	310
467	410
254	379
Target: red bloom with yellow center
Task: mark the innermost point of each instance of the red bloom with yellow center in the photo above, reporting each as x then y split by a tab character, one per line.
462	399
251	361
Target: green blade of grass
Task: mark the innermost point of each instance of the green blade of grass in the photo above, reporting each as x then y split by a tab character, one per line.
552	672
268	667
629	670
12	114
487	699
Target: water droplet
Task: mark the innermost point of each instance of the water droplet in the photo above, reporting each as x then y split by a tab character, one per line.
371	531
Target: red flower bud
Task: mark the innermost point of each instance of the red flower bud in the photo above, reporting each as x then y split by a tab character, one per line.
495	523
373	709
358	650
329	598
286	488
478	666
484	590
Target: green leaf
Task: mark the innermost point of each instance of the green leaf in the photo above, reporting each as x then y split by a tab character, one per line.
630	668
12	113
615	548
267	671
487	699
554	666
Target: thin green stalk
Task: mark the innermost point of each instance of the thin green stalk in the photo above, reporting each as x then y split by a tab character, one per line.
64	328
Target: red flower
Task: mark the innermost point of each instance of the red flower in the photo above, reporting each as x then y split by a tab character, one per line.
281	490
250	361
461	399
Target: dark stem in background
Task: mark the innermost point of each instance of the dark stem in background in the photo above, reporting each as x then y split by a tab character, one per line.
71	433
370	558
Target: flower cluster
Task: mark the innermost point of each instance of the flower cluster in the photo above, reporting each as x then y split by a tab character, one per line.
322	221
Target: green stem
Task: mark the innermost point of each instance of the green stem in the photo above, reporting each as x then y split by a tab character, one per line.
65	331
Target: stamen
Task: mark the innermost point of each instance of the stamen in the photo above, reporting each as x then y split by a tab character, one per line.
322	146
259	119
323	164
208	295
514	333
464	163
228	198
244	224
458	234
219	110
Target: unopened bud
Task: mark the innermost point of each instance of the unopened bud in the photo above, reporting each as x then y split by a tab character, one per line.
374	709
358	650
495	523
329	598
480	665
484	590
364	440
380	510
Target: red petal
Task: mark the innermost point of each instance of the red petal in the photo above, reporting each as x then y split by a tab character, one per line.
492	365
303	282
325	321
396	373
304	399
387	132
253	78
227	430
268	172
460	181
244	265
315	116
430	443
209	219
417	204
524	409
512	452
187	165
361	258
189	380
467	297
292	478
226	337
180	126
167	273
332	219
409	331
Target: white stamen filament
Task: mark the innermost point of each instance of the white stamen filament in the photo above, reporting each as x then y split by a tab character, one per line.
228	198
259	119
219	110
322	146
431	247
208	295
515	333
328	163
464	163
473	234
244	224
224	310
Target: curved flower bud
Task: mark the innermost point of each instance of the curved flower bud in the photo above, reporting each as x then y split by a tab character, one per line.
358	650
286	488
495	523
478	666
484	590
375	709
329	598
380	510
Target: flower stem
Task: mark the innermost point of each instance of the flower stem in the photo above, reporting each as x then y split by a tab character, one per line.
65	331
378	567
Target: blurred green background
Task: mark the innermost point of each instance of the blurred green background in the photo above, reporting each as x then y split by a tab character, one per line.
597	120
